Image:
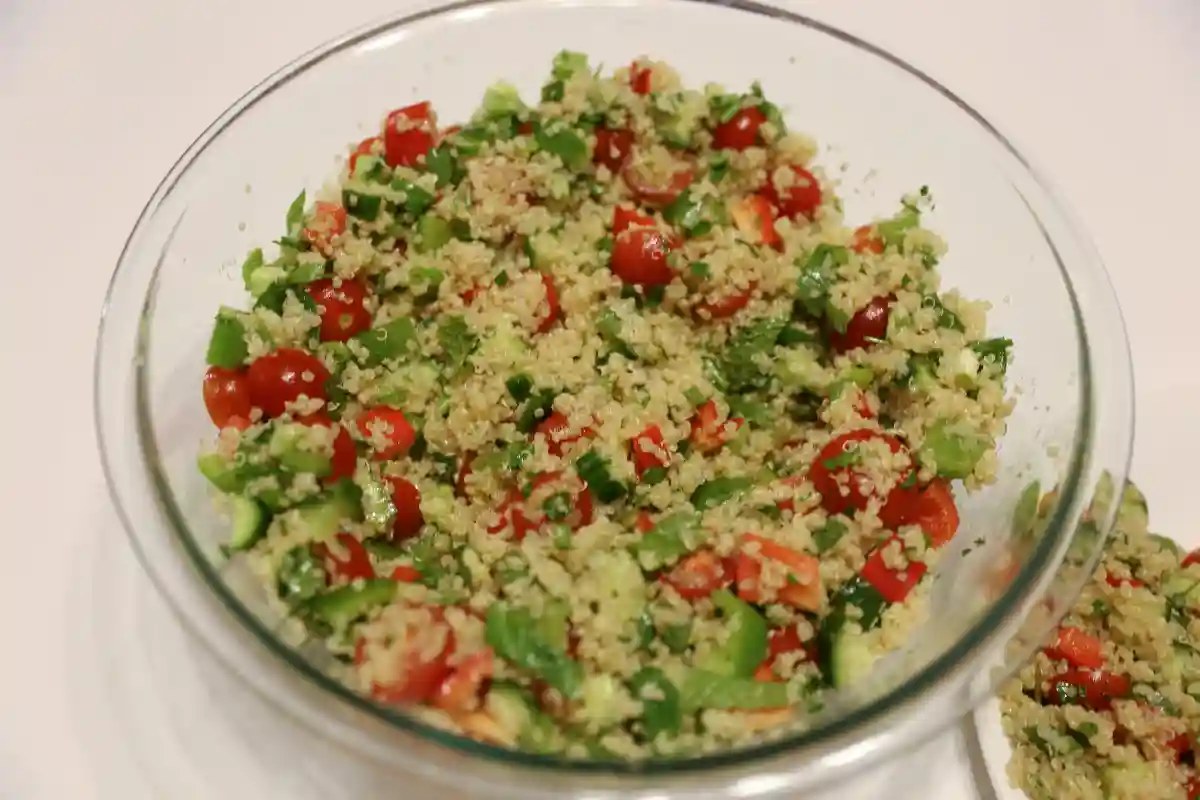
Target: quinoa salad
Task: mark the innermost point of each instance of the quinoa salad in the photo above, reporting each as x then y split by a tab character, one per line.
589	428
1110	709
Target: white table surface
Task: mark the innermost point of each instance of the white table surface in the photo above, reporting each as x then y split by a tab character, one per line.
100	694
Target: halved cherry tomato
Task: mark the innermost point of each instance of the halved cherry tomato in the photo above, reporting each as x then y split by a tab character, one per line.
804	593
656	194
1191	558
869	323
346	561
557	430
345	456
365	148
343	308
639	78
740	131
644	523
237	423
1117	583
282	376
709	433
226	395
328	220
613	146
626	218
1078	648
406	573
406	497
1095	689
893	584
649	451
639	257
525	512
555	310
800	199
419	674
865	240
399	432
461	689
408	135
833	475
726	305
932	507
754	216
697	576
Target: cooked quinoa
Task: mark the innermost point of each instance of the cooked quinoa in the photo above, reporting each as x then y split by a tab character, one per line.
1110	709
590	428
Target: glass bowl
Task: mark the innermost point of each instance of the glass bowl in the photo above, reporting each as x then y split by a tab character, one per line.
895	129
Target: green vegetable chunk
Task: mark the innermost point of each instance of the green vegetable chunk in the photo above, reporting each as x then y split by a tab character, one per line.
662	713
227	346
516	635
393	340
955	448
701	689
674	536
718	491
746	646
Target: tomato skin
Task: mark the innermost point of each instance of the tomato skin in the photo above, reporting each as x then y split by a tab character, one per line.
351	564
801	199
754	215
514	513
626	218
328	221
613	146
825	480
556	428
1191	558
697	575
1117	583
461	688
226	395
365	148
406	497
1193	788
343	308
868	323
865	240
932	507
1078	648
421	675
345	456
708	431
644	523
725	306
740	131
639	257
805	594
657	194
400	437
1100	688
639	78
408	147
648	450
555	310
893	584
282	376
406	573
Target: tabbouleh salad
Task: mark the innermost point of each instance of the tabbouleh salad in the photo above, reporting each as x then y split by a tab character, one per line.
590	428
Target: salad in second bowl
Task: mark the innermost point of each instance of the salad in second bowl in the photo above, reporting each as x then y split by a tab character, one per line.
589	427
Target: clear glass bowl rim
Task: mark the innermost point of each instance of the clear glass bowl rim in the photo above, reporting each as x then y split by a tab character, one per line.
862	720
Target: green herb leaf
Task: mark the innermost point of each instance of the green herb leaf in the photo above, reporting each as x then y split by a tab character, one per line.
295	214
519	387
516	636
457	341
593	469
828	535
719	491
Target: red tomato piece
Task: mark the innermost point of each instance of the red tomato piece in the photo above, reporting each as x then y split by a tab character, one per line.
527	514
345	457
834	477
406	497
625	218
555	310
238	423
1095	689
868	324
408	135
613	146
657	194
697	576
727	305
461	689
1191	558
365	148
754	217
649	451
893	584
932	507
800	198
558	432
865	240
226	395
398	431
343	308
639	257
1177	746
346	561
644	523
406	573
739	131
639	78
1078	648
709	432
1115	582
419	675
283	376
328	221
804	593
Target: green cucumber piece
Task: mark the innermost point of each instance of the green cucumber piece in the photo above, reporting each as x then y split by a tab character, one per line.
341	606
250	522
227	345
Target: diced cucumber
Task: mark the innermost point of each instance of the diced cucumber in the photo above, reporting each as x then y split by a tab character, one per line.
392	340
859	594
287	445
702	689
599	693
227	346
323	519
378	509
746	645
220	472
368	167
341	606
250	522
1182	589
363	205
553	624
514	710
718	491
432	233
850	658
300	575
415	199
502	99
264	278
1126	779
954	448
661	709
